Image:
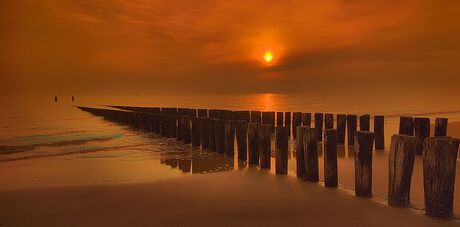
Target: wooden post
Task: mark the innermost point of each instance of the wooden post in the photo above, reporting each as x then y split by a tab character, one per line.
328	121
330	158
268	118
306	119
279	119
196	132
364	123
265	146
241	128
406	126
440	127
352	122
300	156
319	126
253	143
186	130
287	122
212	134
422	131
364	144
296	121
243	115
229	138
220	136
310	149
281	150
401	165
379	130
439	167
256	117
341	128
204	132
179	128
202	113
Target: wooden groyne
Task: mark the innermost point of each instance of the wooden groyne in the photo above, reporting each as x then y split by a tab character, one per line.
252	133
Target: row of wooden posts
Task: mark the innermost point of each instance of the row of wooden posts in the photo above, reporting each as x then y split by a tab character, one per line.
216	129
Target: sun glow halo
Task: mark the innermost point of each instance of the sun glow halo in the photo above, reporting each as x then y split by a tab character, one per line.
268	56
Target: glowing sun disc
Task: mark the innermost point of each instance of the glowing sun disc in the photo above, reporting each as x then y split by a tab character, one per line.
268	57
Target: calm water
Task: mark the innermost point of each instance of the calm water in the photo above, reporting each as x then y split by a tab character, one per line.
43	143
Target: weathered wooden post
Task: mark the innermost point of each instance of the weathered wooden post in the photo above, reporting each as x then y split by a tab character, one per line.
379	130
220	136
401	165
186	130
406	126
306	119
352	125
264	146
364	123
439	167
179	128
204	132
422	131
310	149
440	127
229	138
241	128
287	122
296	121
279	119
268	118
330	158
341	128
328	121
212	134
300	155
281	150
202	113
319	126
196	132
253	143
364	144
256	117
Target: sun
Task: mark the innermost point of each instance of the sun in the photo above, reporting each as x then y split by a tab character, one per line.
268	56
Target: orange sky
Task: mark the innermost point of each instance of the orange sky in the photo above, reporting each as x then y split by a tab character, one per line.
142	46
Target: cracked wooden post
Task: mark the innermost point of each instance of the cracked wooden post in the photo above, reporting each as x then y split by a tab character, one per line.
379	130
300	155
268	118
440	127
364	144
341	128
310	149
256	117
220	136
439	167
401	165
204	132
212	134
229	138
330	158
306	119
281	150
422	131
364	123
287	122
319	126
265	146
296	121
352	125
328	121
253	143
406	126
196	137
241	128
186	130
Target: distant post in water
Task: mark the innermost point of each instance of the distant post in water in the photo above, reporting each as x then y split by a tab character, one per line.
306	119
220	136
341	128
229	138
330	158
287	122
281	150
401	165
268	118
310	148
256	117
379	130
319	126
439	167
204	132
352	125
328	121
406	126
364	122
253	143
212	134
264	146
196	137
241	128
296	121
422	131
440	127
300	155
364	144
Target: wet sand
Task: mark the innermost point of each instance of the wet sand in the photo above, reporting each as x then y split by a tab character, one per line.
242	197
